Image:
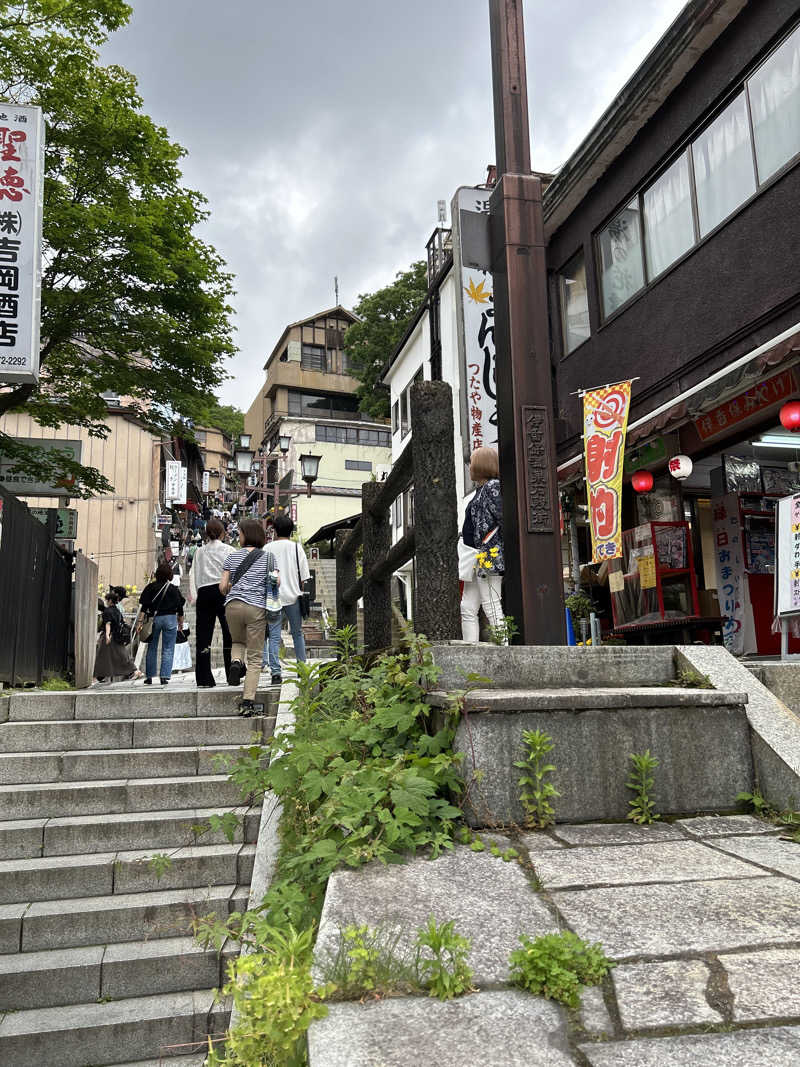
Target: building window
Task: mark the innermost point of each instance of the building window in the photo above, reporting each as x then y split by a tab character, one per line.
312	357
350	435
775	107
395	416
574	304
321	405
723	166
405	413
621	258
357	465
668	219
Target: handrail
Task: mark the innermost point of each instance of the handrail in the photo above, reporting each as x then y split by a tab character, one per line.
401	552
398	480
354	592
354	539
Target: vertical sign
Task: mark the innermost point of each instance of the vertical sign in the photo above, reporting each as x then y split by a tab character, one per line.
787	556
605	421
475	312
729	566
182	485
172	481
206	481
21	185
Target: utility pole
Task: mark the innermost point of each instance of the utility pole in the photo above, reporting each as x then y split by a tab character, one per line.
533	582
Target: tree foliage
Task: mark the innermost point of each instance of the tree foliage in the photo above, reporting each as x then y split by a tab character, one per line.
223	417
133	301
384	316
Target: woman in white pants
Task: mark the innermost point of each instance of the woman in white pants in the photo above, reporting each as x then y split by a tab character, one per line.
483	531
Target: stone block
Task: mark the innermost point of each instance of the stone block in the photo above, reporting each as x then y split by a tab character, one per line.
593	1013
11	926
774	1047
67	798
490	902
783	681
552	667
62	736
156	794
683	918
724	825
764	984
670	861
189	866
162	965
140	703
704	755
46	979
493	1029
775	854
55	877
535	842
247	855
19	767
4	707
21	838
160	733
673	993
617	833
39	707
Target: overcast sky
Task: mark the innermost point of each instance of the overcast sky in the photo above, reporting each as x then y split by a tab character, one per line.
323	133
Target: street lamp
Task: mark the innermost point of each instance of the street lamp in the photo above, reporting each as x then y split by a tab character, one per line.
283	442
309	465
244	440
244	459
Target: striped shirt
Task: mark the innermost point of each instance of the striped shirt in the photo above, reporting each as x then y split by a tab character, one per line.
251	587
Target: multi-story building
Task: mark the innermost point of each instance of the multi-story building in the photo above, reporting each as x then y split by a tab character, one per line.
216	449
308	400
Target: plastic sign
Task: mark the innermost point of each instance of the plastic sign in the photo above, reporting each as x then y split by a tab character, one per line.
21	185
605	422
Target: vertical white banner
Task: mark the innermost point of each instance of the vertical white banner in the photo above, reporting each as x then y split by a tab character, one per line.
172	479
206	481
21	189
182	485
738	630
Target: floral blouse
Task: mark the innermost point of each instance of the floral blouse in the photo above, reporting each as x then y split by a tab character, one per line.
486	512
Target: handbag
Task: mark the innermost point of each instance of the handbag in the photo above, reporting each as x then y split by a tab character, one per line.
272	599
145	629
304	600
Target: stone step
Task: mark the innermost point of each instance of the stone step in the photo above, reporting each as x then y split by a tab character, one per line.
117	796
130	969
139	702
110	1033
72	923
66	736
106	873
175	1061
126	831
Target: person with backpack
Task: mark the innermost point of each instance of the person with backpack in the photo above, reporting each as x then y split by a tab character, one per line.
162	613
482	561
293	569
113	660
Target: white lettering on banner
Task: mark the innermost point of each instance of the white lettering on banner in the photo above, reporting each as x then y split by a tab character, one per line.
729	567
21	184
206	481
182	485
172	476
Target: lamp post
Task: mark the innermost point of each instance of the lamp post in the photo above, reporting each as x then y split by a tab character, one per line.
309	466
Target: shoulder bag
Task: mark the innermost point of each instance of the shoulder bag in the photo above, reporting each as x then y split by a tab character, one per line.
145	629
272	599
304	600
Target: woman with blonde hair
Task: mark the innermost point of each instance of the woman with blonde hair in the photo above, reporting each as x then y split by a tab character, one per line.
483	531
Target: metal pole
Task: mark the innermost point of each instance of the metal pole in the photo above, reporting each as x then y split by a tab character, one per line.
533	582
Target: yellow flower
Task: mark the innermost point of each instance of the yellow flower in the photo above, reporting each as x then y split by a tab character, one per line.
494	551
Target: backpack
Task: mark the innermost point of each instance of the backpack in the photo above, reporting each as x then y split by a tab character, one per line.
120	630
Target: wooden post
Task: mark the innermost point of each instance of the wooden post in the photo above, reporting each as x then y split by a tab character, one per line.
377	594
437	608
346	614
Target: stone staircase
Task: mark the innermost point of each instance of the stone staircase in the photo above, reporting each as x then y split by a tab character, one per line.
97	962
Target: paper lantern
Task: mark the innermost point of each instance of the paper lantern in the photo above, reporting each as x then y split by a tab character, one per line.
680	467
642	481
790	416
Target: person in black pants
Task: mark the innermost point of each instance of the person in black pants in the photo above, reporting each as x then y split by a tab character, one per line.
204	579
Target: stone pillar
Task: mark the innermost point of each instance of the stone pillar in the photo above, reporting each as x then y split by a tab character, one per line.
437	610
346	614
377	594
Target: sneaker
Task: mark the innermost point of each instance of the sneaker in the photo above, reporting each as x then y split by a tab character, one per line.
277	680
246	708
237	670
148	681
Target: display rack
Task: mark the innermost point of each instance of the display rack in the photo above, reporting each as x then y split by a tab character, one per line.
654	585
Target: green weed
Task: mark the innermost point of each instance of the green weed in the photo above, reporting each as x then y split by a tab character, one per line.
557	965
537	792
641	782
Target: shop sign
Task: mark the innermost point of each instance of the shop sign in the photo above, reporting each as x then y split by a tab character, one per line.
163	522
66	521
729	566
759	398
172	477
22	484
21	185
787	556
605	420
206	481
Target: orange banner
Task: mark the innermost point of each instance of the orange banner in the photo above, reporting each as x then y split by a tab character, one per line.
605	420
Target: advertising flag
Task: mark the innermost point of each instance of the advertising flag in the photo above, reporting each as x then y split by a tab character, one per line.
605	420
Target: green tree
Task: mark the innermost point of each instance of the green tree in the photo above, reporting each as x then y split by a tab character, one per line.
384	316
133	301
224	417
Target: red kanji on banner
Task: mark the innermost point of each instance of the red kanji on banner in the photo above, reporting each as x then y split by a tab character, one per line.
603	456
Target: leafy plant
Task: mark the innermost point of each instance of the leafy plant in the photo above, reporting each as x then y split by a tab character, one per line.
760	805
557	965
372	961
537	792
505	632
689	678
56	684
641	781
160	863
580	606
446	972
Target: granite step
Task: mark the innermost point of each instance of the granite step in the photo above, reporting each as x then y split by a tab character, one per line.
55	977
111	1033
70	735
126	831
140	701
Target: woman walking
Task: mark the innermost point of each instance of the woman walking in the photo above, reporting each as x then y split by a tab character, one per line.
113	659
292	567
248	578
164	602
483	531
204	579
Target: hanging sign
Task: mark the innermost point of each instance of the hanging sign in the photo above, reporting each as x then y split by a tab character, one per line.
182	485
754	400
605	421
729	566
172	479
66	521
787	556
21	184
206	481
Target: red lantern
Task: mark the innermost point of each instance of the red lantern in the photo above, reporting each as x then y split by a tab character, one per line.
790	416
642	481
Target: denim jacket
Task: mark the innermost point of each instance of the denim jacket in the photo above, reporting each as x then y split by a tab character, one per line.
486	512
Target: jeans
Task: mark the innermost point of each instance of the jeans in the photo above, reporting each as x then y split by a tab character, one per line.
246	623
166	628
210	608
272	646
482	593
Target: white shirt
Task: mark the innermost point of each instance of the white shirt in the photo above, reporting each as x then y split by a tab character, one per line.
207	565
288	554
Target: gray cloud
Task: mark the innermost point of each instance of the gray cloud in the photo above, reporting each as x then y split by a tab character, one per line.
323	133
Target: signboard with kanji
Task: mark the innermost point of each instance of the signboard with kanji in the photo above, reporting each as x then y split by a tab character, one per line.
66	521
729	566
605	421
787	556
21	184
754	400
22	484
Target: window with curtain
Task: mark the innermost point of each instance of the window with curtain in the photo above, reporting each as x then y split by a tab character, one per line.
574	304
621	260
668	222
775	107
723	165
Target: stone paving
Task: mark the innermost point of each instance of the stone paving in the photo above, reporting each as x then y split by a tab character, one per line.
701	916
